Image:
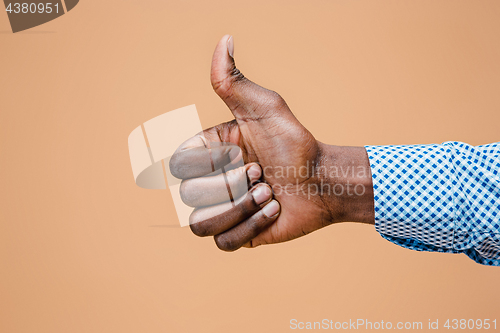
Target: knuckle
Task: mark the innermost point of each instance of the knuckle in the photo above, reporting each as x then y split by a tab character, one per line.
183	191
174	166
223	87
188	192
198	226
225	243
276	101
254	227
199	229
236	75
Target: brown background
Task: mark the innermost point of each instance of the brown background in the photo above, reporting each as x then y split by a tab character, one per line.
80	245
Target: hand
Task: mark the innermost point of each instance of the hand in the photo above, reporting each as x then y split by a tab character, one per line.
295	166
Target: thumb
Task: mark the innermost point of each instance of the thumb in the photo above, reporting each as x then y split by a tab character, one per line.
246	100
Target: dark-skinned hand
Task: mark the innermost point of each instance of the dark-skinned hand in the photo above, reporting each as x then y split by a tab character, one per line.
277	151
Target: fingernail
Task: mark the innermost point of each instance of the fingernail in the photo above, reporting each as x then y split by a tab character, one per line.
261	194
254	173
230	46
271	208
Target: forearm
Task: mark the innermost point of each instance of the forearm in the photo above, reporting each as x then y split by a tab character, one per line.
346	183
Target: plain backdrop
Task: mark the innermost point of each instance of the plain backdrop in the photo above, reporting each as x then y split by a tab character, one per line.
83	249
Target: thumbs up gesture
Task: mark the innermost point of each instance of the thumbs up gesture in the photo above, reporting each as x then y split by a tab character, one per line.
289	175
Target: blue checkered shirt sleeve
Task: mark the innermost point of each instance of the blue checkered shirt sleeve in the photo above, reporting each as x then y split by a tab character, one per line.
439	197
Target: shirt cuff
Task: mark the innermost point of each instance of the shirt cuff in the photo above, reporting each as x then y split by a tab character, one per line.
413	193
440	198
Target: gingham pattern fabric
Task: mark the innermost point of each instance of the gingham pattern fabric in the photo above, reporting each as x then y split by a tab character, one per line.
442	198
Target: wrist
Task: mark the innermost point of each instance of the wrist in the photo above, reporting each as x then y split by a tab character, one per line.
346	183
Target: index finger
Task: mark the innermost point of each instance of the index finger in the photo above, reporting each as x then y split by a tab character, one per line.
198	161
